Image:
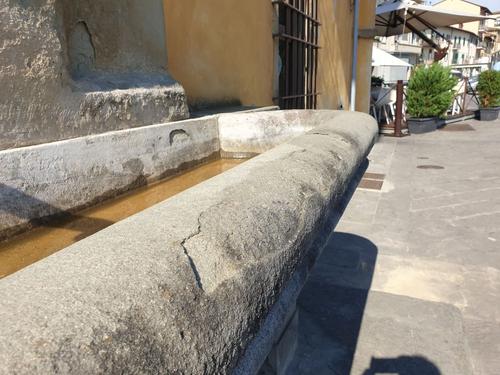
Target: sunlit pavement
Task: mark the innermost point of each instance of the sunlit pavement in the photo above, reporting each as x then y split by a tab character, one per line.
410	283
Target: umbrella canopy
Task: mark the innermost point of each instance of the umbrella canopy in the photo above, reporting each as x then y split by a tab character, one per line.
382	58
393	18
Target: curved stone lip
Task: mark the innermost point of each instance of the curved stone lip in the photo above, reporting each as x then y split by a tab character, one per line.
252	133
188	285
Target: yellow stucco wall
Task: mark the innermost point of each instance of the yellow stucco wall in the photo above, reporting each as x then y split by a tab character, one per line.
365	47
335	56
223	50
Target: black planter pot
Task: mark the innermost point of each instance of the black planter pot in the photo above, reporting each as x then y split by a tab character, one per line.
423	125
488	114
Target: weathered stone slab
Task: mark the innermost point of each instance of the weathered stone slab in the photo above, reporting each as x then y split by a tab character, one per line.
73	68
187	285
250	134
40	181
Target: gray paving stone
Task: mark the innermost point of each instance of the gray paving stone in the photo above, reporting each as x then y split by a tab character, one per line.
483	341
414	286
351	331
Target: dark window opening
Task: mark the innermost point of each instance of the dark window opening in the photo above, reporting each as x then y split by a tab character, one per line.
298	53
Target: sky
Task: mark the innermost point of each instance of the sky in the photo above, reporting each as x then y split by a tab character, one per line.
493	5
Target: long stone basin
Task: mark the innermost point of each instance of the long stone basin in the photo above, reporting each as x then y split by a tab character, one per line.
38	183
202	283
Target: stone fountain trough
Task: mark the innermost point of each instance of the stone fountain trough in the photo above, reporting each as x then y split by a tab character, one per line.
202	283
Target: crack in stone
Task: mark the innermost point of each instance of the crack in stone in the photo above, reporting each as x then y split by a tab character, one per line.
191	262
318	133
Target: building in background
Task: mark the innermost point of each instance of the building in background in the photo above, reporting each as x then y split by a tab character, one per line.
473	46
484	29
464	6
463	52
489	30
407	47
464	46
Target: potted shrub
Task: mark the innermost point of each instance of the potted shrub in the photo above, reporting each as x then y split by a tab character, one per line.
377	81
376	86
430	93
489	95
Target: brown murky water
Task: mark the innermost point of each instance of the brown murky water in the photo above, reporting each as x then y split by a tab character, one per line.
30	247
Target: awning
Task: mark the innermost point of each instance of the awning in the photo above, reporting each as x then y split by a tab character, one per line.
382	58
393	18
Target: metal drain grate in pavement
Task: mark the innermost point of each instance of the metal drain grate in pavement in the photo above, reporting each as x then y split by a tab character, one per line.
370	184
372	181
374	176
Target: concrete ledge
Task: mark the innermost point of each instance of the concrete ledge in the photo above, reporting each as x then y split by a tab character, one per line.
188	285
52	179
250	134
42	181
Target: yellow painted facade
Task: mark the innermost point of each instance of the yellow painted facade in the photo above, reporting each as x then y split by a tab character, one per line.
365	47
334	64
223	51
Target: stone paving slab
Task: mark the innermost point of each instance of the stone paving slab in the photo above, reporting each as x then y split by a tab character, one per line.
410	283
483	341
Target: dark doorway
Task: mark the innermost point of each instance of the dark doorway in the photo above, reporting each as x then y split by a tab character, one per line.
298	33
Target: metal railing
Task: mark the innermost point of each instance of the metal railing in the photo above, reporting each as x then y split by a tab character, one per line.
391	114
298	37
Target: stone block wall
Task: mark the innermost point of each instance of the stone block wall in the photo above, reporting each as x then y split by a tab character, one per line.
75	68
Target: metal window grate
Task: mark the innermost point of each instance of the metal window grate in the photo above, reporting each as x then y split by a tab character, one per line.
298	50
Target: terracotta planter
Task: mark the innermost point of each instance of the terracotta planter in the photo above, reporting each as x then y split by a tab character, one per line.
423	125
488	114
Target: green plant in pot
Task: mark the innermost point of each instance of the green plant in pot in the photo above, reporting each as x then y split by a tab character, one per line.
488	87
377	81
430	93
376	87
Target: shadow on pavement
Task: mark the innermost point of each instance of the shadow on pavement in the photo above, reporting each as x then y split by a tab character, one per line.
331	311
403	365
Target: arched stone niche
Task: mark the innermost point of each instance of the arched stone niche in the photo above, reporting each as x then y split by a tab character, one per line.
81	51
113	36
